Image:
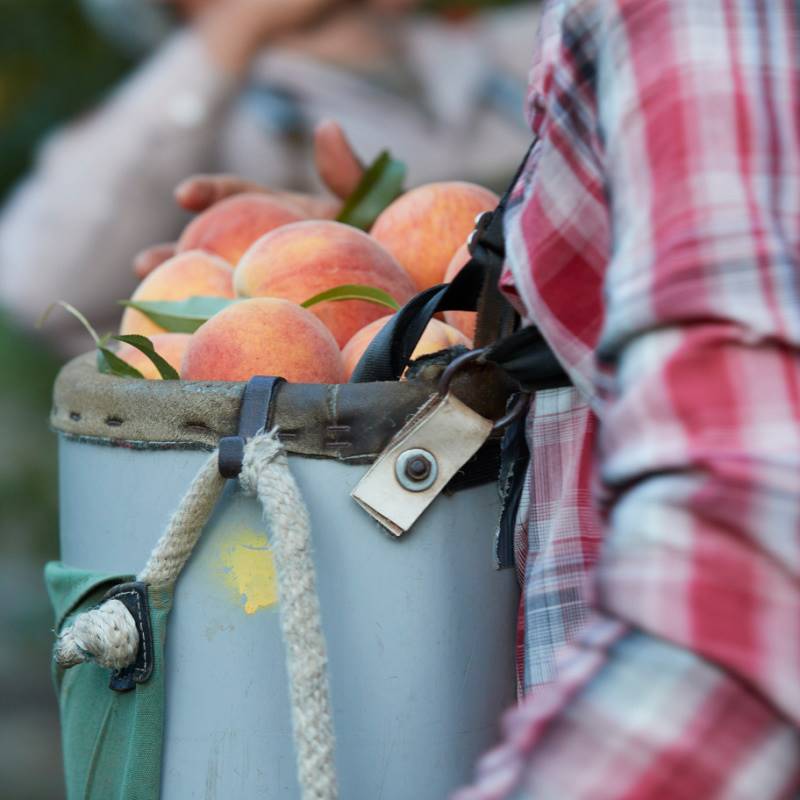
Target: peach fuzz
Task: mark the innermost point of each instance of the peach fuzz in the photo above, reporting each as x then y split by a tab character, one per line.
170	346
464	321
301	260
229	227
186	275
263	336
437	336
424	227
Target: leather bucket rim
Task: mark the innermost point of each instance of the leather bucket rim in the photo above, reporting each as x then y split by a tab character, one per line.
349	422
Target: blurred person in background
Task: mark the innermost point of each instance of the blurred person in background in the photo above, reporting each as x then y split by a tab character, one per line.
238	86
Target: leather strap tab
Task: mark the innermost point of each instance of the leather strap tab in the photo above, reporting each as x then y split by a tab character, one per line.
134	597
255	416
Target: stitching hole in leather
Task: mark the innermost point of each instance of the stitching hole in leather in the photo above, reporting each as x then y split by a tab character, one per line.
197	428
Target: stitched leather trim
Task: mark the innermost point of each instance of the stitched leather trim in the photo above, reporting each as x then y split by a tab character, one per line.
351	422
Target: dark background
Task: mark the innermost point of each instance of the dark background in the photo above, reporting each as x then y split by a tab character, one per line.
52	67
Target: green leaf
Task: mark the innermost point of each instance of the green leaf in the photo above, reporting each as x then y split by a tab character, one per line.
70	309
180	316
144	345
354	291
111	364
381	185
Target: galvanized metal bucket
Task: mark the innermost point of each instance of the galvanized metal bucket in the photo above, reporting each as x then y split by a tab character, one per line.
420	630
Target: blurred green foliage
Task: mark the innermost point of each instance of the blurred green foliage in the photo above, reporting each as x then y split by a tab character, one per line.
52	67
28	505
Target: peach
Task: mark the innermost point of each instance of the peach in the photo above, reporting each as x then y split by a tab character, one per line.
170	346
437	336
301	260
462	320
263	336
229	227
186	275
424	227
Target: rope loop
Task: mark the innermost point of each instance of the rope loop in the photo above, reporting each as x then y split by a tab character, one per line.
106	634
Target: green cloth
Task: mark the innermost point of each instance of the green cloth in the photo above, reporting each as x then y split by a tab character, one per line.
112	741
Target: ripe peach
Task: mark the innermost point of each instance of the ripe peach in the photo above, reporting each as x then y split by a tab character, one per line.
462	320
263	336
301	260
186	275
437	336
170	346
423	228
229	227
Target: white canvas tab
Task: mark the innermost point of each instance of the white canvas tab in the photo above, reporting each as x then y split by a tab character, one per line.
446	429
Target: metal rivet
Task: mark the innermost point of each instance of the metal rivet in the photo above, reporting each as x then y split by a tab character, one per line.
416	470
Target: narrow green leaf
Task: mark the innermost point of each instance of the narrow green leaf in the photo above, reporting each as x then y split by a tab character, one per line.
70	309
354	291
144	345
180	316
381	185
111	364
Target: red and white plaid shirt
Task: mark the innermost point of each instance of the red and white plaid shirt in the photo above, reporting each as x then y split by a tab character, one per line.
654	238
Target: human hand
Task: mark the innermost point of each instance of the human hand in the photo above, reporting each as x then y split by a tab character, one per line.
337	164
235	30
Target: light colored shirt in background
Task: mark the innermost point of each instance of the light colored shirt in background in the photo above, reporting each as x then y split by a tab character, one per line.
102	187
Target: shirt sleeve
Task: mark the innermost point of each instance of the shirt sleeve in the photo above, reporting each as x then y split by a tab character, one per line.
695	695
700	429
635	717
102	188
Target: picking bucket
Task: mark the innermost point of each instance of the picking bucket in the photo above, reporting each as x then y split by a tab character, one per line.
419	629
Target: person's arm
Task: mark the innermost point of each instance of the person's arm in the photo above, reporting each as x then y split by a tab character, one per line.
101	188
686	686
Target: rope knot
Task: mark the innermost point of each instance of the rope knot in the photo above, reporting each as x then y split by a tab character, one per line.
259	451
106	634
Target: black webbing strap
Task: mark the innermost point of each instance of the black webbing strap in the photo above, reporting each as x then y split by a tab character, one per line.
527	359
524	355
474	288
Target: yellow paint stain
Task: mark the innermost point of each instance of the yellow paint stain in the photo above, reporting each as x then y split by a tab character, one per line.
248	568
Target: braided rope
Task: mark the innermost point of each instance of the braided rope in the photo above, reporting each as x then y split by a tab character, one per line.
108	635
173	549
265	473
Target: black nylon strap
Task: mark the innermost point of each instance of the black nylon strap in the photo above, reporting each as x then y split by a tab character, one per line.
390	351
474	288
527	358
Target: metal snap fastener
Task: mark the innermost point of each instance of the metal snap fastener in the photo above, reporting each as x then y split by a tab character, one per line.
416	470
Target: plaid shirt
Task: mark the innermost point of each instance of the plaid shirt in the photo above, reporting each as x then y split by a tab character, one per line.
654	238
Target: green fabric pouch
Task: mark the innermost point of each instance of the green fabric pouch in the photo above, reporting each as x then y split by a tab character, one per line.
112	740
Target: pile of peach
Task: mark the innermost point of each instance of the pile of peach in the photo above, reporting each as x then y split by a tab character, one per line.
253	247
